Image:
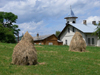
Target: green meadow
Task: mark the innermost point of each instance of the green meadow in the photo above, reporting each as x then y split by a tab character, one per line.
53	60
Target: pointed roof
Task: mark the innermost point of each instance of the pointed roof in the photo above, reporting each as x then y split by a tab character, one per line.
71	14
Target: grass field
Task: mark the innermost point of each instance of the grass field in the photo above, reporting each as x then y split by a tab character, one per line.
53	60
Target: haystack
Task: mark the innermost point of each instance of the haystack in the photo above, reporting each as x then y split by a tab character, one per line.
24	52
77	43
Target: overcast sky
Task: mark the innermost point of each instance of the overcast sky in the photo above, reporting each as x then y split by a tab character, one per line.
47	16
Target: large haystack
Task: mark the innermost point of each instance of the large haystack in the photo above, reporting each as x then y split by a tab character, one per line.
77	43
24	52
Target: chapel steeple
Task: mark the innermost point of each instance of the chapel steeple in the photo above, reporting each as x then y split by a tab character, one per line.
71	18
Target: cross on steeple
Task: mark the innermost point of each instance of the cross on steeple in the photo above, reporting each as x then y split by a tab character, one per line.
70	6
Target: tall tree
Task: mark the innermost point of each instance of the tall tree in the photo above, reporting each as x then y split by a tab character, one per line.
57	33
6	35
1	17
97	32
7	28
7	19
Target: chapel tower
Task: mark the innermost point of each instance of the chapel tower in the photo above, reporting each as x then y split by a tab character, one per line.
71	18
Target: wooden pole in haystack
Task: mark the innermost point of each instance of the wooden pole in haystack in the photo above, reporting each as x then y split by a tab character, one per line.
18	36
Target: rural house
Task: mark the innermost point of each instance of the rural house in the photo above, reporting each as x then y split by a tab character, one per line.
47	40
85	29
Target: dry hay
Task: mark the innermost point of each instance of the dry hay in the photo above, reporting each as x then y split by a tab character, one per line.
77	43
24	52
42	63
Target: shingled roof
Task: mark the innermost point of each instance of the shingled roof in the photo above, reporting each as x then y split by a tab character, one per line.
42	37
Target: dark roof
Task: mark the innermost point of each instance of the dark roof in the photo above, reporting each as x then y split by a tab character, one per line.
42	37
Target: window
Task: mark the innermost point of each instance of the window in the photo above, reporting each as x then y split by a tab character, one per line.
50	43
92	40
69	30
66	42
89	41
73	21
73	29
67	21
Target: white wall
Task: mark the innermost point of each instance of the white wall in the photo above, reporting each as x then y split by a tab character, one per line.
96	40
71	20
68	36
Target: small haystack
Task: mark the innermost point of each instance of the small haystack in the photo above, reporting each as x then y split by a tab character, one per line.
77	43
24	52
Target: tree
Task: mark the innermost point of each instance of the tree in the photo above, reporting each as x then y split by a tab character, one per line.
57	33
6	35
97	32
7	29
1	16
7	19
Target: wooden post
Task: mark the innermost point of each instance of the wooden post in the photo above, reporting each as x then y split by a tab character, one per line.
18	37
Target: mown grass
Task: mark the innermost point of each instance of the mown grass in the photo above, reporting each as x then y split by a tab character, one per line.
53	60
